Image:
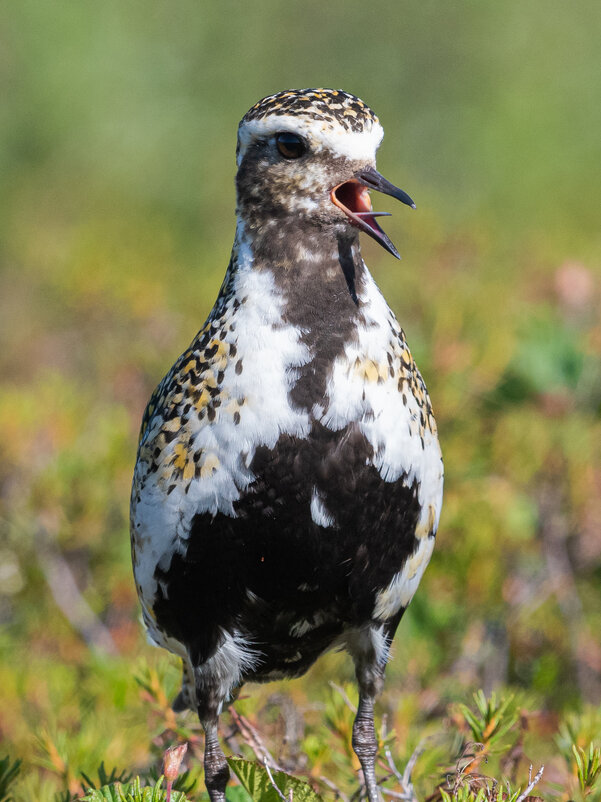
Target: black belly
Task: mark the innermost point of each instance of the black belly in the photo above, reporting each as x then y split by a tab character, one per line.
272	567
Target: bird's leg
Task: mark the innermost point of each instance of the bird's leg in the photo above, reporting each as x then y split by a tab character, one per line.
209	704
369	668
365	744
214	681
217	772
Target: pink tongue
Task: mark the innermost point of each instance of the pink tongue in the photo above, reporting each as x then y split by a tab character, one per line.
363	200
363	207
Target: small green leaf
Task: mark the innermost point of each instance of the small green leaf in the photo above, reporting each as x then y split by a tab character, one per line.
492	720
588	767
132	792
8	773
104	778
108	793
255	779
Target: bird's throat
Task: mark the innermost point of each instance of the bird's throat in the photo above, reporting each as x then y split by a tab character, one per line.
315	268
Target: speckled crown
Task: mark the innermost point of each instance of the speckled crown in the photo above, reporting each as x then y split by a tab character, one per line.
327	105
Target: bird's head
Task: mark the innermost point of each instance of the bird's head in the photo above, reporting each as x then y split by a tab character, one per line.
309	155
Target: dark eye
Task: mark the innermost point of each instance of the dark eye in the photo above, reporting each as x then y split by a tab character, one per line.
291	146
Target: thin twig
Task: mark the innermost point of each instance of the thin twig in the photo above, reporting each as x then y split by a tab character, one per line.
419	749
395	794
334	788
531	784
252	738
69	598
392	766
344	695
404	779
272	781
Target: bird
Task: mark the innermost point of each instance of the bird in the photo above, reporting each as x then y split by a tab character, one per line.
288	482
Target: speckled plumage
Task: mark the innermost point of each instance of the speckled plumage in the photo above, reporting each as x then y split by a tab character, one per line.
332	106
289	480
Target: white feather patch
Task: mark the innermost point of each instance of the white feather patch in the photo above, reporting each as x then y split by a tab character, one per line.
270	352
223	672
319	513
367	645
389	426
404	584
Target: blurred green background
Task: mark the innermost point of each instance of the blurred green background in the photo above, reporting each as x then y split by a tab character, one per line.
117	139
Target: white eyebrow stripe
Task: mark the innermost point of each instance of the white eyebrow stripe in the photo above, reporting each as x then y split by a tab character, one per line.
321	134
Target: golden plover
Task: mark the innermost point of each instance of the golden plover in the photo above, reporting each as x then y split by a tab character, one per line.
289	479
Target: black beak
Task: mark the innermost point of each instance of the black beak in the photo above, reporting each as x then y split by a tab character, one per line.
352	197
371	178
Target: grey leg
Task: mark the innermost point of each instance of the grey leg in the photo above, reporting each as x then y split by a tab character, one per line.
209	700
217	772
369	649
214	681
365	745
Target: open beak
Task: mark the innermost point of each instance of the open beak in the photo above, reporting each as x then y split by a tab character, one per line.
352	197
